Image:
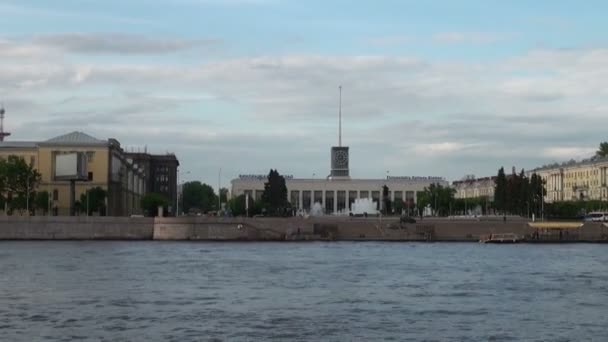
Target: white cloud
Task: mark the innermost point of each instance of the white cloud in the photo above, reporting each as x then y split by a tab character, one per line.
566	153
468	37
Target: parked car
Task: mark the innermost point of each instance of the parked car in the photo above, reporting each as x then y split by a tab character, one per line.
596	216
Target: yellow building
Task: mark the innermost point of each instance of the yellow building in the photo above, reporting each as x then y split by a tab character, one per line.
107	167
572	181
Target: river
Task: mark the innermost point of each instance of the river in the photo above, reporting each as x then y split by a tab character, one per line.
336	291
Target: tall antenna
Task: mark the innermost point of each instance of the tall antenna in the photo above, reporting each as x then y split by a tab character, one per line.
3	134
340	120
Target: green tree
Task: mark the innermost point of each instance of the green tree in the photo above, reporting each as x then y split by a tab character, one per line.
274	196
602	152
398	206
386	201
514	193
18	181
151	201
440	198
238	208
96	201
423	201
224	195
41	201
524	194
500	191
198	196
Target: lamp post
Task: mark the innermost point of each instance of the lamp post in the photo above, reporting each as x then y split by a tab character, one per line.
27	195
178	192
219	191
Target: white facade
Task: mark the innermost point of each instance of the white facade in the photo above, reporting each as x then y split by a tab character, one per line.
337	195
474	188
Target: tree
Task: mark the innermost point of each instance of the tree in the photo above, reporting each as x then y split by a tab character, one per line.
151	201
96	200
198	196
513	193
424	200
386	199
440	198
602	152
224	195
274	196
398	206
18	181
500	191
524	194
41	201
238	208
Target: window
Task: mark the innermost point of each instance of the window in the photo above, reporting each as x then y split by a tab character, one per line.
32	160
55	195
90	155
90	178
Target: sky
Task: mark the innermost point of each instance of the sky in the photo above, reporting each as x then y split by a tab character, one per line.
430	88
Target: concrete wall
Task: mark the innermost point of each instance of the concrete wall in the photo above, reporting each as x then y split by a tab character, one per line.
202	228
75	228
278	229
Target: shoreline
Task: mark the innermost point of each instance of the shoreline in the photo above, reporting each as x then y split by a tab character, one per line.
294	229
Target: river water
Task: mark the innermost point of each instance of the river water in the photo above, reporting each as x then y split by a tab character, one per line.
164	291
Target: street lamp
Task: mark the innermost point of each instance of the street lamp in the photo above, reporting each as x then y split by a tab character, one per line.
27	195
178	191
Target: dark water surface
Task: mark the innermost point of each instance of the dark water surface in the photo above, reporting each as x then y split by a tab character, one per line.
160	291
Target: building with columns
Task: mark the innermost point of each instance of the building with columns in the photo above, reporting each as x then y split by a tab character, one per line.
573	181
337	195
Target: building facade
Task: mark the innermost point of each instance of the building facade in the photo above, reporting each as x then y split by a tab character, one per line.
337	195
471	187
162	175
573	181
107	164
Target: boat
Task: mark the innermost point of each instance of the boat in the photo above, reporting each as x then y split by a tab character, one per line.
500	238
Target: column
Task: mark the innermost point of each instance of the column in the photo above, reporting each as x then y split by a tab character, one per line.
300	202
335	201
323	198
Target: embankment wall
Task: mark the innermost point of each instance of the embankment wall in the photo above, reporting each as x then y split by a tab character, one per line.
75	228
277	229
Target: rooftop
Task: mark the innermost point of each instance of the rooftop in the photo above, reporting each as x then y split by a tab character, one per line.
76	138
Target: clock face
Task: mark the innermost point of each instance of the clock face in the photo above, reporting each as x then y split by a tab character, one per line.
341	158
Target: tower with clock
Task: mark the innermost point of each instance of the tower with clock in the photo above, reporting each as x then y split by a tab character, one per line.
339	162
339	154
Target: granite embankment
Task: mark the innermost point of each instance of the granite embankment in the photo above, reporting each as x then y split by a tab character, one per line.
290	229
75	228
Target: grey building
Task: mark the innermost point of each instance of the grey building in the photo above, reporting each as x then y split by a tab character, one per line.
162	174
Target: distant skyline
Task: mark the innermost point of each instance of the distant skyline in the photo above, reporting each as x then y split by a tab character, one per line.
430	88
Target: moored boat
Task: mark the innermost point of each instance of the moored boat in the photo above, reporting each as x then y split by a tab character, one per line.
500	238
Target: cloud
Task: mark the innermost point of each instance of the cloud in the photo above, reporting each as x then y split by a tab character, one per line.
565	153
385	41
468	37
118	43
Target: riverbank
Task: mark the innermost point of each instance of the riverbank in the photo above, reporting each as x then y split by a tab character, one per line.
292	229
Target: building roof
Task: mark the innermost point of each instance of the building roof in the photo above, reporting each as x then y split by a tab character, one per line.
572	163
18	144
75	138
